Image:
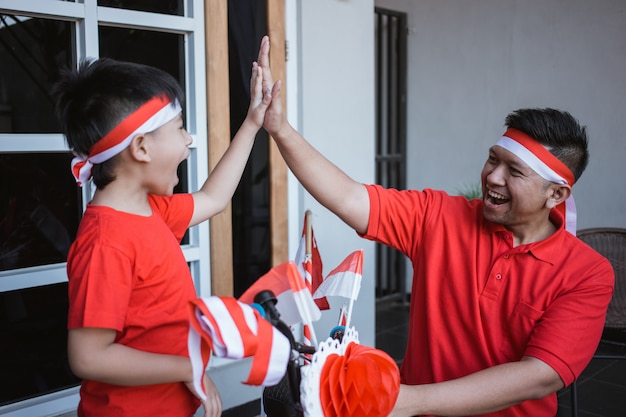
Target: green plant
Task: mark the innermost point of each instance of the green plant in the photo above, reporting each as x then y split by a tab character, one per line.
471	191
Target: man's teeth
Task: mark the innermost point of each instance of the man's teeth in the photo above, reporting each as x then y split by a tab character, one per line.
497	198
493	194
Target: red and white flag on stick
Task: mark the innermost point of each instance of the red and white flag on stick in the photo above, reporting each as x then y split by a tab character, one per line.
294	301
344	281
309	261
309	264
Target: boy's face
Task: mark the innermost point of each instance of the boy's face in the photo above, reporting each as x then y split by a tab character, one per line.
169	146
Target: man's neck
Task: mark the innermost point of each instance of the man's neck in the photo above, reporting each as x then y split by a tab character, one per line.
524	235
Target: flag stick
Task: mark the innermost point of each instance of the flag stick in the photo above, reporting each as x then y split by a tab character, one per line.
313	336
353	295
308	234
350	305
308	253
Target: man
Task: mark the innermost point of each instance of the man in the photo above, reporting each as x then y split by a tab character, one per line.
507	305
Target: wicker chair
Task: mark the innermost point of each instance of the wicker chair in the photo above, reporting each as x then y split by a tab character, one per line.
611	243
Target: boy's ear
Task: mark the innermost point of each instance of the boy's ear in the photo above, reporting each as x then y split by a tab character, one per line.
139	149
559	193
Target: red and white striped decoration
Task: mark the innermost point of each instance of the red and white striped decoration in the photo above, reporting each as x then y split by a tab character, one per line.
234	330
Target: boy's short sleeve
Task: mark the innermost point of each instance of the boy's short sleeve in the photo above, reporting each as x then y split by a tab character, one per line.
176	211
103	280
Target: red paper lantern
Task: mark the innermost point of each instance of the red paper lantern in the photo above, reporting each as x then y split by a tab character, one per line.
363	382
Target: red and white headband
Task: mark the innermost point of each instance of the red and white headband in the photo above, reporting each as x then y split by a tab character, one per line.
548	166
150	116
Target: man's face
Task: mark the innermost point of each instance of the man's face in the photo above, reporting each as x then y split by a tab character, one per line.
513	194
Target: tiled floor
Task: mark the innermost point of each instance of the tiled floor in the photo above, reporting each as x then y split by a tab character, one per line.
601	387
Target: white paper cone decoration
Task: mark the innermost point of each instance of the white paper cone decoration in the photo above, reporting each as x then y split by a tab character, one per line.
346	379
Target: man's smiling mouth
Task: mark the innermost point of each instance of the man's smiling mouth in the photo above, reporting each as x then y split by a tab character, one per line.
496	198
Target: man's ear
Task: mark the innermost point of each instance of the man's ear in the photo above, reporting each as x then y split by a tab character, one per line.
558	194
139	148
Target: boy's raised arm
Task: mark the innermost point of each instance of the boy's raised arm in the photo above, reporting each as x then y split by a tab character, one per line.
217	191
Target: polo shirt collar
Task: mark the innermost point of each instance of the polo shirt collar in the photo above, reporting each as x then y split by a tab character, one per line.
544	249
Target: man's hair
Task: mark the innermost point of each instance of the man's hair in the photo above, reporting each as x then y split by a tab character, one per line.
557	130
93	99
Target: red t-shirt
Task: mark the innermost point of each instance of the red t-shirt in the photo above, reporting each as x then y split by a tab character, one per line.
477	301
128	273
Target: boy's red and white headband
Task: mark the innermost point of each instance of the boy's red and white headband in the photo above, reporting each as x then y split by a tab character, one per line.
548	166
150	116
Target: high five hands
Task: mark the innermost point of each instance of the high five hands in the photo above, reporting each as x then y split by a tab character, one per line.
274	116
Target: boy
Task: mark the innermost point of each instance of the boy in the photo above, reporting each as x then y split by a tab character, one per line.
129	283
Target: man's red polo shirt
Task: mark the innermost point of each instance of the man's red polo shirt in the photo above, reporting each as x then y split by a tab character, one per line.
477	301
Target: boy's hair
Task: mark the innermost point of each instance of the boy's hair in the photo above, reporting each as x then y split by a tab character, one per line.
93	99
559	131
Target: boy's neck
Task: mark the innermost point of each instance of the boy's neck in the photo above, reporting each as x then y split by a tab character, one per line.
123	199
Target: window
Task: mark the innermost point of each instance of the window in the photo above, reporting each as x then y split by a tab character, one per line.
40	204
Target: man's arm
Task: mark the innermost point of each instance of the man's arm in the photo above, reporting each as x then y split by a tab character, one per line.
329	185
486	391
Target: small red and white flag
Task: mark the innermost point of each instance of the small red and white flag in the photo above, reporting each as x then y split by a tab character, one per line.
234	330
345	279
294	301
310	264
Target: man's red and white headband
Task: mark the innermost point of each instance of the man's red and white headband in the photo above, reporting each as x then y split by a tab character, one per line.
548	166
148	117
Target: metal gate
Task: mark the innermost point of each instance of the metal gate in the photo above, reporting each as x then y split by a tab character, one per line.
391	74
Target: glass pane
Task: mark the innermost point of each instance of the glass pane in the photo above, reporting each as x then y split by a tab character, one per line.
183	187
31	52
174	7
160	50
33	343
40	207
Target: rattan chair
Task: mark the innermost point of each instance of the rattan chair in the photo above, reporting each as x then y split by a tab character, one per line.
611	243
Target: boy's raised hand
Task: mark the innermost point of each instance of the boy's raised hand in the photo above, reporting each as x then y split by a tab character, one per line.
274	116
259	98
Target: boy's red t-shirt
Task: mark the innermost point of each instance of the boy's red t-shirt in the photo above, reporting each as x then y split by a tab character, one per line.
128	273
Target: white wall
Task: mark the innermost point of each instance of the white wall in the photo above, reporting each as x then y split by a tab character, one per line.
471	62
330	87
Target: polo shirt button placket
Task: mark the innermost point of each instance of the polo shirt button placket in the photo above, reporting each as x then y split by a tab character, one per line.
498	276
506	256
